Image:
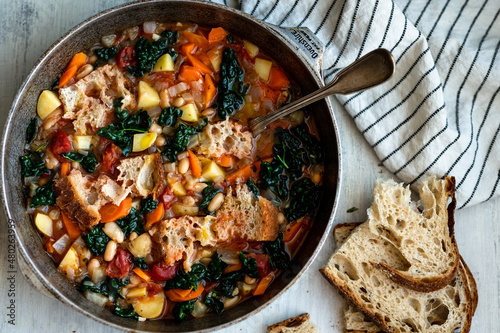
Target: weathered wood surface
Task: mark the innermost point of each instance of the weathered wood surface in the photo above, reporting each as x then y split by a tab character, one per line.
29	27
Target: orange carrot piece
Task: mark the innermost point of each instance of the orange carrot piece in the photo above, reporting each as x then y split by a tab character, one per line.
110	212
216	35
198	64
67	76
225	161
71	228
195	164
278	79
49	245
180	295
143	275
232	268
64	169
263	284
188	48
243	174
76	62
189	73
291	230
210	91
200	41
155	215
258	163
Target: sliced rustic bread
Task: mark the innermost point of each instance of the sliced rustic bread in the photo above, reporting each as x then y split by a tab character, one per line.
425	239
110	191
299	324
243	216
144	175
388	304
226	137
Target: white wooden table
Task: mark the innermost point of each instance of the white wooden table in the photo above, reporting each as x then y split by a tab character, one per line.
29	27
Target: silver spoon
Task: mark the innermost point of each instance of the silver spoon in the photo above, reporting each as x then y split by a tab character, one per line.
368	71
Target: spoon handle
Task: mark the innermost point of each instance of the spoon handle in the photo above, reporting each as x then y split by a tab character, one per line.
368	71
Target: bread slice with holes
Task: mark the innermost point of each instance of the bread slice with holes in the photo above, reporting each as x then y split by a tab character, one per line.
391	306
424	238
226	137
299	324
143	174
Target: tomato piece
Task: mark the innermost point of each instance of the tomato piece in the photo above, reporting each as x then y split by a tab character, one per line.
110	157
168	198
278	79
211	286
153	289
126	57
262	263
159	272
60	144
120	266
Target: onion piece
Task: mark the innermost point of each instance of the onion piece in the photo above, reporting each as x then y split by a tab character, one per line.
255	94
108	40
149	27
177	89
230	257
196	86
61	244
96	298
188	97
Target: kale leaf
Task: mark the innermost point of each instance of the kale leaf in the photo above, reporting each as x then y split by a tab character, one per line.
209	192
44	195
271	175
106	53
187	280
96	240
32	164
278	257
125	313
179	142
251	186
249	266
231	87
131	223
181	310
31	130
214	303
228	283
88	162
148	205
303	198
215	268
141	263
169	116
109	287
169	150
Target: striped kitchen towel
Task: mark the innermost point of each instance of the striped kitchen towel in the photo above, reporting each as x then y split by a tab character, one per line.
440	113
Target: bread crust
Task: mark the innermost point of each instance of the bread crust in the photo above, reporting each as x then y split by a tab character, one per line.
294	321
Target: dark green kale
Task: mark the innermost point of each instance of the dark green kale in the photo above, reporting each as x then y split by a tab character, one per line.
169	150
44	195
304	196
209	192
109	287
202	126
125	313
88	162
214	303
228	281
179	142
169	116
106	53
231	88
230	39
31	130
96	240
183	309
148	52
187	280
141	263
120	113
249	266
131	223
32	164
148	205
312	147
278	257
215	268
272	177
252	187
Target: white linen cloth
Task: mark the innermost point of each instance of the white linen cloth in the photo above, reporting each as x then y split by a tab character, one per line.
440	113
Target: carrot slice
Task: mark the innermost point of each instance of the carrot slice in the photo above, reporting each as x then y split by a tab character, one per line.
263	284
67	76
200	41
225	161
155	215
210	91
180	295
195	164
76	62
189	73
278	79
291	230
110	212
198	64
49	245
188	48
232	268
71	228
64	169
243	174
216	35
143	275
258	163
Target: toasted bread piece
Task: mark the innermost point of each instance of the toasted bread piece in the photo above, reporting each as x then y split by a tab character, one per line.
425	239
299	324
242	216
388	304
226	138
78	199
144	175
110	191
174	239
91	112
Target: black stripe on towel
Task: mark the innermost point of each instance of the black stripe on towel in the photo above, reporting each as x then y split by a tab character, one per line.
272	10
255	8
438	19
368	30
494	187
326	16
388	25
309	13
289	12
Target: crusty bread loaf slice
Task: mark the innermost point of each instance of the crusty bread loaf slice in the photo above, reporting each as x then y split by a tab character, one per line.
388	304
242	216
110	191
425	239
143	174
91	112
226	137
299	324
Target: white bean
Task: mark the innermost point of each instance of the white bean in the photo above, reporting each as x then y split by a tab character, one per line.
155	128
216	202
249	280
110	251
178	102
160	141
164	99
316	177
198	187
281	218
229	302
52	118
92	266
188	201
184	165
133	236
113	231
84	71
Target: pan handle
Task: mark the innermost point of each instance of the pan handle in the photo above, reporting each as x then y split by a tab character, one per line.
303	40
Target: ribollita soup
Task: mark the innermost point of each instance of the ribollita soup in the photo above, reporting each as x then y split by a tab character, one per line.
145	184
